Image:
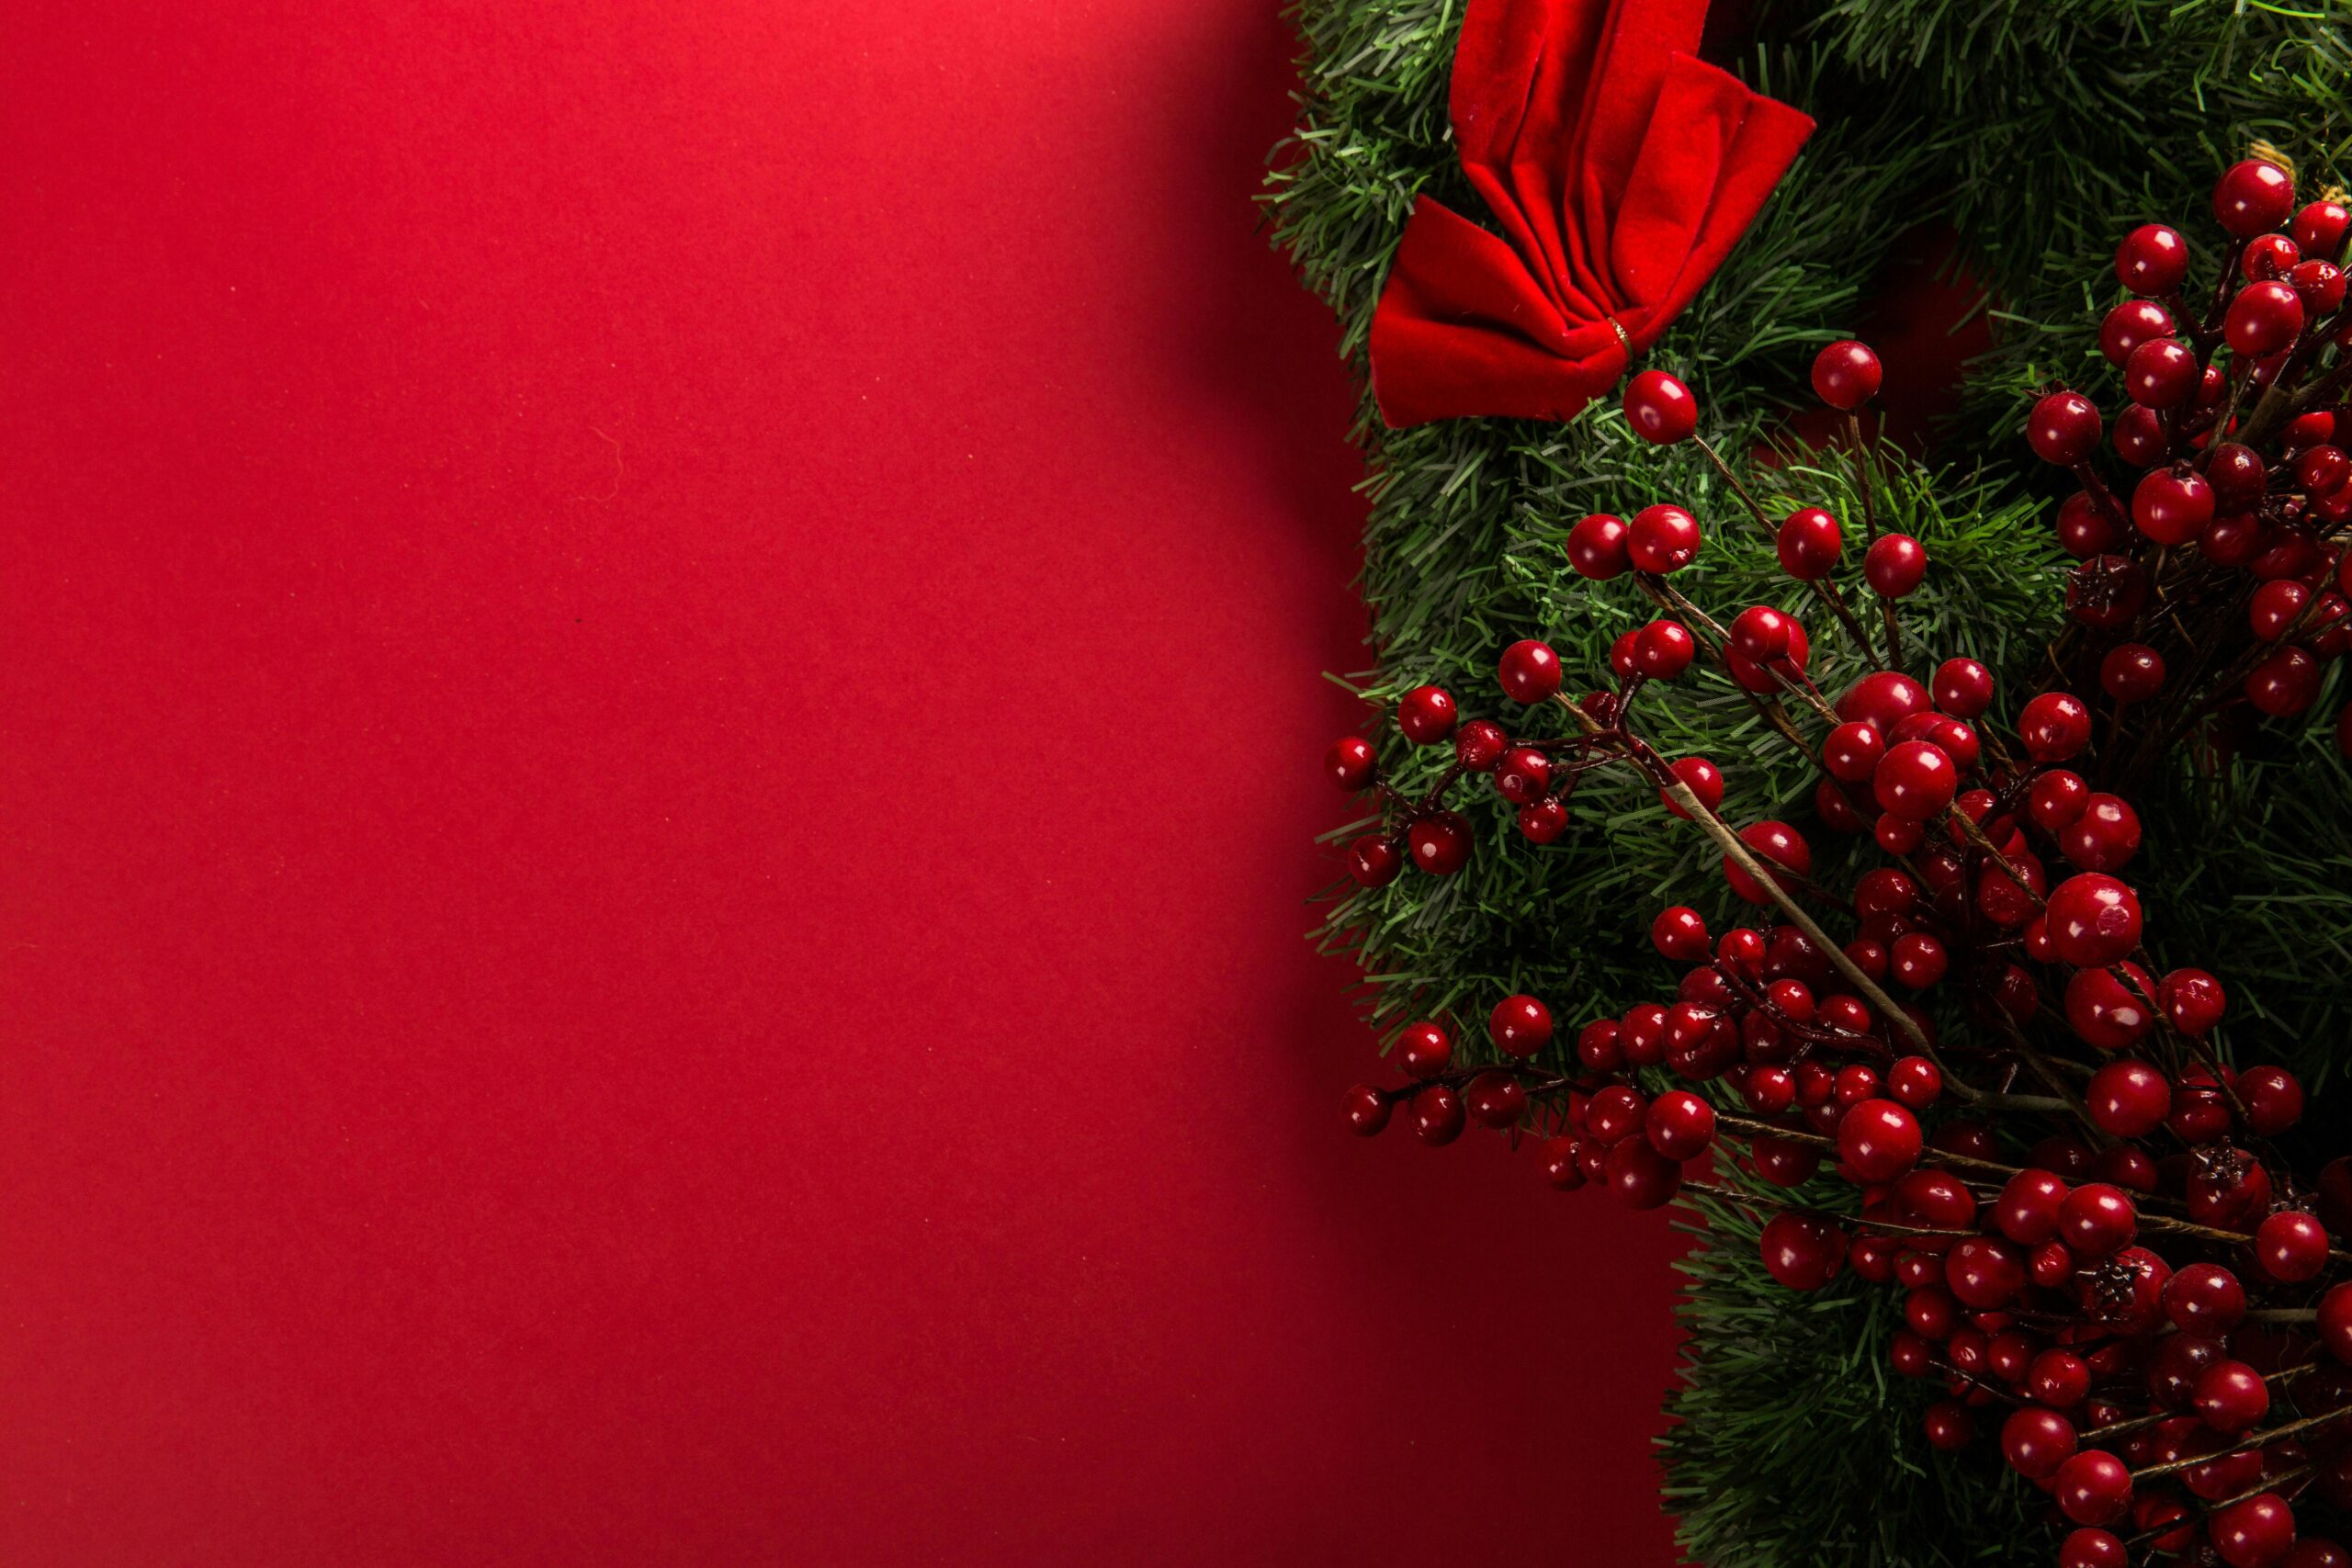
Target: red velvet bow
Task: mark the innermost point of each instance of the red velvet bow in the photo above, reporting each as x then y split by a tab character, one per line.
1621	170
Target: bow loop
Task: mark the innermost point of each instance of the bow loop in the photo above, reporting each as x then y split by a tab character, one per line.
1620	169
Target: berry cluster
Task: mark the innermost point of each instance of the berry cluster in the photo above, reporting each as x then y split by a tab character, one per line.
2105	1255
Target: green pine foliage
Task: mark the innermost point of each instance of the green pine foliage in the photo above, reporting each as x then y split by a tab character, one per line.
2039	130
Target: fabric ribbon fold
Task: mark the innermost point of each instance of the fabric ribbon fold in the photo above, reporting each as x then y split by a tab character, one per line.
1620	169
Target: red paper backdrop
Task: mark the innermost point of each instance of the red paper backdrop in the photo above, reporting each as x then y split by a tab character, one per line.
658	670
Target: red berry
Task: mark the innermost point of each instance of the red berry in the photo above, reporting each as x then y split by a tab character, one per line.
1640	1176
1915	1080
1879	1140
1680	933
2104	835
2274	607
2319	284
1440	843
2323	470
2290	1247
2319	228
2128	1099
1664	650
2255	1533
1846	374
1426	1050
2059	1379
1760	633
2108	1012
2057	798
2160	374
1616	1114
2267	258
2204	1298
2273	1099
2093	1548
2253	198
1759	677
2285	683
1365	1108
2139	437
2263	320
2129	326
1561	1164
1775	844
2055	727
1426	714
2098	1219
1949	1425
1680	1126
1480	744
1660	408
1374	861
1808	544
1802	1253
1851	752
2063	429
1437	1115
1520	1025
2036	1441
2152	260
1703	779
2231	1396
2105	590
2094	919
2026	1209
2094	1487
1528	671
1524	776
1894	564
2132	673
2193	1000
1884	700
1596	547
1662	540
1914	780
1984	1274
1351	761
2172	505
1963	688
1917	961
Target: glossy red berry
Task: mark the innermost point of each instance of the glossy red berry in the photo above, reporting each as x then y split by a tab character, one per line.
2253	198
2098	1219
2204	1298
1365	1110
2285	683
2059	1379
2132	673
2263	320
1761	677
2237	474
1660	408
1350	762
2322	470
2172	505
2089	1547
2129	326
1703	778
1846	374
1680	1126
1808	543
1425	1050
2291	1247
1760	633
2063	429
2152	260
2110	1013
2160	374
1480	744
2139	437
2094	919
2267	256
1664	650
1375	860
1596	547
1963	688
2057	798
2036	1441
2026	1209
2320	226
2273	1099
1680	933
1494	1100
1775	844
2319	284
2104	835
2192	999
1895	564
1915	1081
2128	1099
1440	843
1949	1425
1530	671
2055	727
1914	780
1427	714
2231	1396
2254	1533
1524	776
1800	1252
1662	540
1437	1115
1640	1176
1884	700
1520	1025
2094	1487
1917	961
1852	751
1879	1140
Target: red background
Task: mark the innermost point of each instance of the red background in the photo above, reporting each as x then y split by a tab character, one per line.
660	682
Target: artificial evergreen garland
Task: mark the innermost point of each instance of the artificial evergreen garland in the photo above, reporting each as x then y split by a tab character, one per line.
2039	133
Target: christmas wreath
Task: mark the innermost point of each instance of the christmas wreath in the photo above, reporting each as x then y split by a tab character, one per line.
1925	867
